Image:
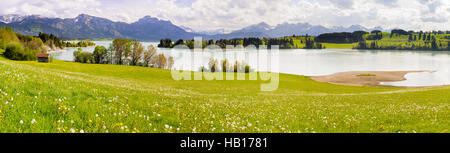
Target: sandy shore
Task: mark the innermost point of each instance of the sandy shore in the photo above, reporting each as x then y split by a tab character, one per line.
364	78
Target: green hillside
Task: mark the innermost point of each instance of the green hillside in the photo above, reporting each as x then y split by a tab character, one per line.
73	97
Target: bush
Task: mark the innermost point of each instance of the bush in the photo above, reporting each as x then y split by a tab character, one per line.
84	57
16	51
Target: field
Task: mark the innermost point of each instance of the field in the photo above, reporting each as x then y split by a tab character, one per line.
339	46
387	41
71	97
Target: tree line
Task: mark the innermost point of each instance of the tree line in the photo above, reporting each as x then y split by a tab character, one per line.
19	47
283	43
416	41
24	47
54	42
341	37
125	52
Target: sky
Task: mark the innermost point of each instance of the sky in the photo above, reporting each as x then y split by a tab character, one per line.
207	15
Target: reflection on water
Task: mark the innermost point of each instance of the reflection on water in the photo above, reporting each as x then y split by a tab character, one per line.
320	62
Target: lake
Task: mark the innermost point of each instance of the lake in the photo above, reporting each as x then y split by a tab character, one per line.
320	62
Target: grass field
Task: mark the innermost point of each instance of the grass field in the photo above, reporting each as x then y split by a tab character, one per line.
386	41
339	46
73	97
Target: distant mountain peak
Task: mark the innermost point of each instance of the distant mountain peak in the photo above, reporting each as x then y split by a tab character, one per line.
85	26
263	25
260	27
82	16
11	18
148	18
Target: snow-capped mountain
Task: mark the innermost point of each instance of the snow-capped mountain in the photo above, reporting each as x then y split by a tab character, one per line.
151	28
11	18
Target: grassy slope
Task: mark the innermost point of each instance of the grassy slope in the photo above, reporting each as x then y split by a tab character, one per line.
137	99
386	41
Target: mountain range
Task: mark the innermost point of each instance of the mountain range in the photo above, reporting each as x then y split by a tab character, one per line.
150	28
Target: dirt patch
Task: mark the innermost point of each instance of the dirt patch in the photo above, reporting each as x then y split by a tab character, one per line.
364	78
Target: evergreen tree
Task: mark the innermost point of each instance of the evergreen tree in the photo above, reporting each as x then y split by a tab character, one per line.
434	45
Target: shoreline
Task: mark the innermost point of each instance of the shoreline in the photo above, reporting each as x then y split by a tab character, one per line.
366	78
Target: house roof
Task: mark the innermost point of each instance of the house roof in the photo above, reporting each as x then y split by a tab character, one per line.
42	55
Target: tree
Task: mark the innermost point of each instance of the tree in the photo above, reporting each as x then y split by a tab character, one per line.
148	55
99	54
136	53
434	45
179	42
85	57
226	66
165	43
375	31
170	62
161	61
213	65
362	45
7	35
76	53
122	48
448	45
399	31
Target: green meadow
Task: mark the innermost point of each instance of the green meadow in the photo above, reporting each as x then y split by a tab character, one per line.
386	41
66	97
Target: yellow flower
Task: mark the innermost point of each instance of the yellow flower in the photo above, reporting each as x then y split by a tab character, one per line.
90	121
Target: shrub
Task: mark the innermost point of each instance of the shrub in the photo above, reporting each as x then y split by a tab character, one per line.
16	51
85	57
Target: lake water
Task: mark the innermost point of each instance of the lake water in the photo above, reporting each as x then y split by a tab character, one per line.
319	62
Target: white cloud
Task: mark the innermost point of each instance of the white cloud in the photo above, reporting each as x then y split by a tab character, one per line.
234	14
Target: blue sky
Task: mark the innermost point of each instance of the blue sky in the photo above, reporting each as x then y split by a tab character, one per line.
205	15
